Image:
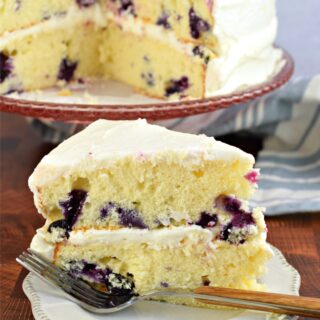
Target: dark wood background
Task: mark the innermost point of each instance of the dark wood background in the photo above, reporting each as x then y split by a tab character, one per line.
297	236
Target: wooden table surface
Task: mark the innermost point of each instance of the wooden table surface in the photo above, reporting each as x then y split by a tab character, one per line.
297	236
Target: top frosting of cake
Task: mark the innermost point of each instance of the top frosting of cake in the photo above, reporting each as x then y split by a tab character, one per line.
104	142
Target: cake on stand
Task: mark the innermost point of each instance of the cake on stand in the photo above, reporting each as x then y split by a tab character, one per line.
78	106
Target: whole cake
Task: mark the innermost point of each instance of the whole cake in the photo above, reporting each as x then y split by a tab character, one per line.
163	48
134	207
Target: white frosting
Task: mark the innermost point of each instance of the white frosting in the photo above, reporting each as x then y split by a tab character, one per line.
42	246
155	239
161	239
245	30
104	142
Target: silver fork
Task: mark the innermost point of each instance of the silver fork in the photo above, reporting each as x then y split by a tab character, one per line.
91	299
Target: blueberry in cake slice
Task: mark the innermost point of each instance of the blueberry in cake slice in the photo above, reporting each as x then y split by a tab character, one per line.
135	207
165	49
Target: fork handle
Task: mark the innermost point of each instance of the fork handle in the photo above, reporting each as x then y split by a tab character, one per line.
262	301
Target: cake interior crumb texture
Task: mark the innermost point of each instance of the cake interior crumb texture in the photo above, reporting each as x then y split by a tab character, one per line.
165	49
133	207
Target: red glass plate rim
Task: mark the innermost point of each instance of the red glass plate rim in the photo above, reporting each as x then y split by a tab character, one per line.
163	110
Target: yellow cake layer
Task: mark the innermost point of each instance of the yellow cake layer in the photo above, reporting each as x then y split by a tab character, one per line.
141	62
167	188
187	266
174	16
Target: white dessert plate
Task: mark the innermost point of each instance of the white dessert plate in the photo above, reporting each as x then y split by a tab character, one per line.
48	304
114	101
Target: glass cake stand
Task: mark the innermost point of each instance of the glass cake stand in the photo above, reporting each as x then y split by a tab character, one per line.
85	103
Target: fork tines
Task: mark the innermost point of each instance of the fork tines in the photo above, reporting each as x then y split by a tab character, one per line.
74	287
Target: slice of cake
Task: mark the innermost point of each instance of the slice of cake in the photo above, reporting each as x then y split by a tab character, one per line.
165	49
135	207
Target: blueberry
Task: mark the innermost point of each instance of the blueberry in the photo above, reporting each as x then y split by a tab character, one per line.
106	210
148	77
207	220
130	218
126	6
177	86
96	274
5	66
234	235
90	270
85	3
120	285
225	232
163	20
127	217
239	220
66	70
242	219
61	224
164	284
72	207
229	204
197	24
120	288
197	51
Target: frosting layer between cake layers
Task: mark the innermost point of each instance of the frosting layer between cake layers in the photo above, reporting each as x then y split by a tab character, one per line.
105	142
229	50
162	239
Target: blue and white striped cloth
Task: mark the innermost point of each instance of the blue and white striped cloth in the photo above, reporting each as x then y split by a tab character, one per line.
289	121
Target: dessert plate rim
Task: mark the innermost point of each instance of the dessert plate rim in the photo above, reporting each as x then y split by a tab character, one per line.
74	112
32	287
